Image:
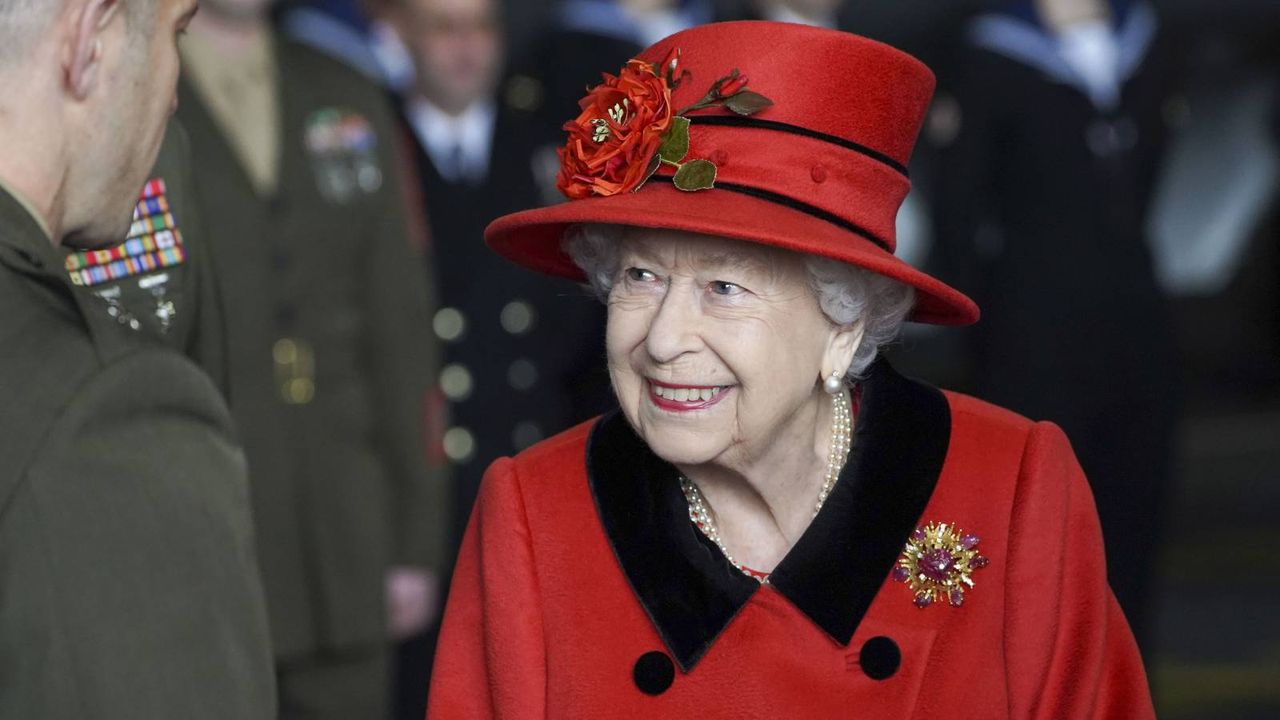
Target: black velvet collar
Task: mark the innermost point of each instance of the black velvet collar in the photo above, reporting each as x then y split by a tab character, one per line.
691	592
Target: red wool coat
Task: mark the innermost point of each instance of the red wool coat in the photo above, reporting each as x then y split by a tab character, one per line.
583	590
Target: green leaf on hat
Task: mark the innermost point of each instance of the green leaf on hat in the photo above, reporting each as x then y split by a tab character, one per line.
696	175
675	144
747	102
655	162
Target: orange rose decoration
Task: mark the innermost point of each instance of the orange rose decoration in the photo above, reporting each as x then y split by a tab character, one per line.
627	130
618	133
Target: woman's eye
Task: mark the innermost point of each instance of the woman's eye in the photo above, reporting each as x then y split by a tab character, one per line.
720	287
639	275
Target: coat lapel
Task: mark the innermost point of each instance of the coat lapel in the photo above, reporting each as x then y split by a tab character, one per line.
688	589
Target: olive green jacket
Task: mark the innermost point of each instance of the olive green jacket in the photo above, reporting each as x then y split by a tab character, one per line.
329	352
128	584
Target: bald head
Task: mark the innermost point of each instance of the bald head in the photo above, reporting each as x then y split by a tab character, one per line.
89	86
22	24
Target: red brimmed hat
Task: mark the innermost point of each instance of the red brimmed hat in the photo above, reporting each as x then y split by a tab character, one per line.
778	134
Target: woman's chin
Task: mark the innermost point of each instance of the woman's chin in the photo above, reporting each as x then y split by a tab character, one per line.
679	446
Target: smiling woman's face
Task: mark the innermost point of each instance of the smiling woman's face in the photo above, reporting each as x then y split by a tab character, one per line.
715	346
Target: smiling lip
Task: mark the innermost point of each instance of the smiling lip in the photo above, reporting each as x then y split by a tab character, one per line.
685	398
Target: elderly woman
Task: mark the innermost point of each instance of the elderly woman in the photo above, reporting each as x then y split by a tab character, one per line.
775	523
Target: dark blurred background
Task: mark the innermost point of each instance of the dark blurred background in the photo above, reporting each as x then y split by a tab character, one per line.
1101	175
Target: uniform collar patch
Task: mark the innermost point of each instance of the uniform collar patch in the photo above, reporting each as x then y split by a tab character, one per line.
154	242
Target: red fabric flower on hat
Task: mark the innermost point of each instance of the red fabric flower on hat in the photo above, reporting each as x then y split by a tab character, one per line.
627	130
612	142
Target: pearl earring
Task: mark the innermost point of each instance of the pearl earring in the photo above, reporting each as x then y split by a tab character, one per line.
833	384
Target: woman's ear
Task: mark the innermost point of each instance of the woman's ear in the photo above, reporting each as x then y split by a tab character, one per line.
841	346
82	62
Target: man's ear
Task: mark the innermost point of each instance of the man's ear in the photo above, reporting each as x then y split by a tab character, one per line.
87	23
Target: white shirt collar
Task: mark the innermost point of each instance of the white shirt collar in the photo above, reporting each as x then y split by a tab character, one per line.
442	135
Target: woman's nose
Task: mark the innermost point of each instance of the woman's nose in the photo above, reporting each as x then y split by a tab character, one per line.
674	328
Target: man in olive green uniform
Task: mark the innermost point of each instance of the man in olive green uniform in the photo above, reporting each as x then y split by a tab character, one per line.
329	352
128	583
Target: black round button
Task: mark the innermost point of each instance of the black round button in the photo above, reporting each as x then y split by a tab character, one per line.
880	658
654	673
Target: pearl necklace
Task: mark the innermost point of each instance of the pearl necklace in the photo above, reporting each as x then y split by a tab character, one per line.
841	440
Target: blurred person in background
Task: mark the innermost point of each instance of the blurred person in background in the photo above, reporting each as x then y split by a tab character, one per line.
520	351
351	31
819	13
329	350
1040	206
586	35
128	583
920	27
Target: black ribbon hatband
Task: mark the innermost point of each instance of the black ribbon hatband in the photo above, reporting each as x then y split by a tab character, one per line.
757	123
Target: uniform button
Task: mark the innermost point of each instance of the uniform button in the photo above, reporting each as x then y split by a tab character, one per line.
719	157
518	317
818	173
299	391
524	93
449	324
459	444
456	382
285	351
943	123
880	658
525	434
654	672
522	374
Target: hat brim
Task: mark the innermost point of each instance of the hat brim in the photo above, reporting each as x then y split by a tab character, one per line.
532	238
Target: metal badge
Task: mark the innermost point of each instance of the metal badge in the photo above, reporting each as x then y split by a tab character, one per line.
295	365
343	148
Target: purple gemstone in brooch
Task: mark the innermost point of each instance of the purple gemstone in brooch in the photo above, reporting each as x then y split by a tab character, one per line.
938	563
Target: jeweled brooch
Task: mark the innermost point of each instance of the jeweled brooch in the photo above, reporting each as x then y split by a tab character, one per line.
938	563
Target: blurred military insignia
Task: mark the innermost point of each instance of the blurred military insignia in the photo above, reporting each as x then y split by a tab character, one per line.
131	278
344	154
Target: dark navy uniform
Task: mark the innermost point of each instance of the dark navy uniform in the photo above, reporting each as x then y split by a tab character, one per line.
522	353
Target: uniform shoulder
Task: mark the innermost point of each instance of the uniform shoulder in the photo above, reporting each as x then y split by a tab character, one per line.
45	356
147	378
330	75
72	394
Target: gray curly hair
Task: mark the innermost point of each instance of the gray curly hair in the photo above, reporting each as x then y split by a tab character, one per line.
845	293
